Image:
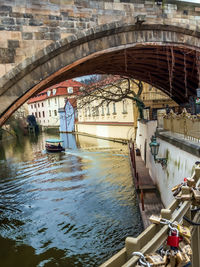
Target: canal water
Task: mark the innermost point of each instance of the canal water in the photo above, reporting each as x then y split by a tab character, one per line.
68	209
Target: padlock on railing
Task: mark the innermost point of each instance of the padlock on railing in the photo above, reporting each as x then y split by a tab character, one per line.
173	238
196	193
156	260
184	231
191	182
142	260
182	259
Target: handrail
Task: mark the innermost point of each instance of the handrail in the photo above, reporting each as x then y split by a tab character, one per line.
186	124
154	236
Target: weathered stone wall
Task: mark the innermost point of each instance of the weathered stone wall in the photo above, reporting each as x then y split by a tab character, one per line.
27	26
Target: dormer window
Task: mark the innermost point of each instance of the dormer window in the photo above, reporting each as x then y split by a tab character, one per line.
70	90
48	93
54	91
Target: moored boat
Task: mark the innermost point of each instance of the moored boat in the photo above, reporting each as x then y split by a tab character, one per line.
54	145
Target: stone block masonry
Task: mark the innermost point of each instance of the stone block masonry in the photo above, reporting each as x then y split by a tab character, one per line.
27	26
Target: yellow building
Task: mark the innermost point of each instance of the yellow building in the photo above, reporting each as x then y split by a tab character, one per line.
118	119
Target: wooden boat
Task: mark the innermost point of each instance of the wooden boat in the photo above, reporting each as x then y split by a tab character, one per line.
54	145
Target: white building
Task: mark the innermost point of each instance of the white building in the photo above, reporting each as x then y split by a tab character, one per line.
45	105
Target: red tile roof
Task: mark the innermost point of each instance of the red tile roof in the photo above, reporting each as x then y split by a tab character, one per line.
61	90
73	102
37	98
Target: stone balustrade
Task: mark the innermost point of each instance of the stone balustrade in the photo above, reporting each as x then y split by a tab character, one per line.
153	237
186	124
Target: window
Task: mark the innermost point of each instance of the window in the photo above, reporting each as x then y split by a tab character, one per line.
124	104
49	113
48	93
93	111
76	114
108	109
32	113
31	106
56	101
43	114
36	114
114	108
97	111
102	110
42	104
38	105
70	90
49	102
35	105
54	91
39	115
55	112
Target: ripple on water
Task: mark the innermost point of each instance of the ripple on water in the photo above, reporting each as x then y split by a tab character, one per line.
73	209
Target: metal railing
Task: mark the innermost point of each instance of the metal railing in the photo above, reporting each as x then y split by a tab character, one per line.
186	124
155	235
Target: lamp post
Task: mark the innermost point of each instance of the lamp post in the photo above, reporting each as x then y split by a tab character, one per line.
154	146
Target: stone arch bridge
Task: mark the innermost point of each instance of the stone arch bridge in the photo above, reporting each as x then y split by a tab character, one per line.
46	42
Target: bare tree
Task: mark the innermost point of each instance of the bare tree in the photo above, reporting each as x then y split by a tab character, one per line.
111	89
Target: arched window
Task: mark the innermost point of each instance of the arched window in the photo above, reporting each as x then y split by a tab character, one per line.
97	111
102	110
124	108
114	108
108	109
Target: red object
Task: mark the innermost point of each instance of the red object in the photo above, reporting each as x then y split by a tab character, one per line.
173	240
185	179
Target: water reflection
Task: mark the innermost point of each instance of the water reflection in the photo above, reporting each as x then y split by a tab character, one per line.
69	141
65	209
2	152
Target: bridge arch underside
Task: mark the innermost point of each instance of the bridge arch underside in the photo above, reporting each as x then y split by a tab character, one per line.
164	56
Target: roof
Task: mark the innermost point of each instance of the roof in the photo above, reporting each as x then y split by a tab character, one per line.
73	102
68	83
61	91
54	140
37	98
109	80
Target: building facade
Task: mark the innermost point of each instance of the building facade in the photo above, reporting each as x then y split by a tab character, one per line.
117	119
68	115
45	105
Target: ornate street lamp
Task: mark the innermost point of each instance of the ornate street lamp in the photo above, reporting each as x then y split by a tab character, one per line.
154	146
